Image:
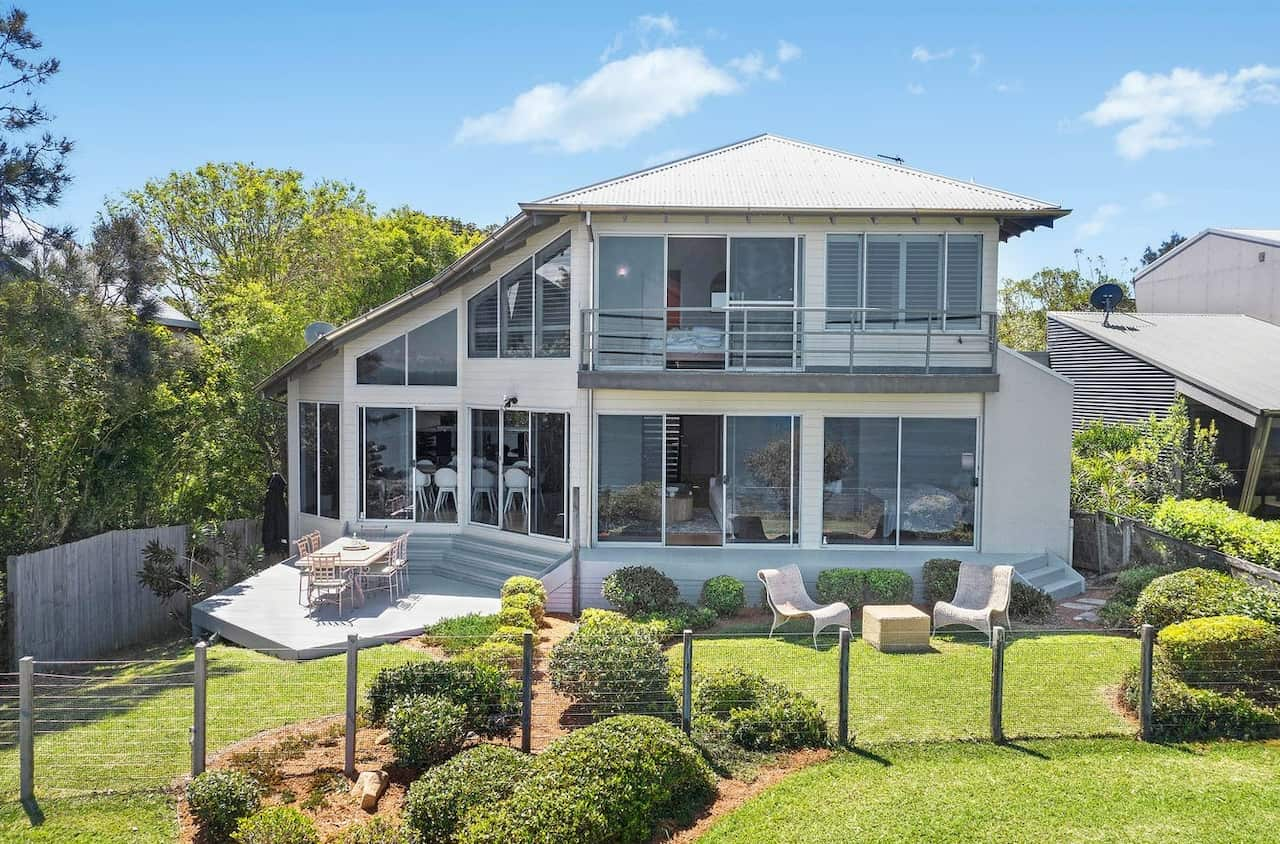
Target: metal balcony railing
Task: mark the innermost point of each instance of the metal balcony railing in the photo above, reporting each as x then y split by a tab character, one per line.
773	339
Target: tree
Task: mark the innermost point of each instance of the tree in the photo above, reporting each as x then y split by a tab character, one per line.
33	171
1150	256
1025	302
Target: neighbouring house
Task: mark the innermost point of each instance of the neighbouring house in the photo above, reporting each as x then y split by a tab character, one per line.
771	352
1218	271
1129	366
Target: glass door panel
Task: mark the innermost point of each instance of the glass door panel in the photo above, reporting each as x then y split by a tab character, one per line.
435	470
548	504
514	477
386	440
693	498
760	453
631	298
939	467
484	467
629	494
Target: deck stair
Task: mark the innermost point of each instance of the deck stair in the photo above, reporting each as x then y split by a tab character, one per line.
474	559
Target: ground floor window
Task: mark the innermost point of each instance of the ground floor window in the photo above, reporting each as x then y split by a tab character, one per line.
520	471
899	481
409	460
697	479
318	458
435	466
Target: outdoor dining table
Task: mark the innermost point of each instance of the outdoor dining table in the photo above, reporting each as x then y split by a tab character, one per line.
357	560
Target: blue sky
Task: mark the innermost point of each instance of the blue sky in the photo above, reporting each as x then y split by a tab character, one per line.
1141	117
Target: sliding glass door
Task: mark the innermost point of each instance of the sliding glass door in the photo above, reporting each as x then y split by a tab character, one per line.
519	471
697	480
386	443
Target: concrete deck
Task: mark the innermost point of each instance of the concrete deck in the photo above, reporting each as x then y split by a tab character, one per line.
263	613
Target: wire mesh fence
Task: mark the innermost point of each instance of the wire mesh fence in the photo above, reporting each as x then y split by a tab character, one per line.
128	725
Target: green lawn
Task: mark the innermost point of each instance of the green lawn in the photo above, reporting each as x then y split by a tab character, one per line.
1112	790
126	730
1055	685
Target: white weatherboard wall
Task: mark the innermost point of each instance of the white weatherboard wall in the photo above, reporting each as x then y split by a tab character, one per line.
1026	479
1215	275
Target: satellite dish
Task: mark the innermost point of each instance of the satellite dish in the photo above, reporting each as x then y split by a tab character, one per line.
1106	298
315	331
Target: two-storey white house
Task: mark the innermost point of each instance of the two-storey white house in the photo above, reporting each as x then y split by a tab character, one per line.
771	352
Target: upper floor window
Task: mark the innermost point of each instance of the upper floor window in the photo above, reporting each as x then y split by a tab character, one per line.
526	312
425	356
318	462
905	278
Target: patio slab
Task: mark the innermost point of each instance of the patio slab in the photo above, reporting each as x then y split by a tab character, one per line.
263	613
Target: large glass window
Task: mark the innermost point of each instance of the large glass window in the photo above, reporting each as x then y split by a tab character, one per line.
629	495
383	365
386	436
921	492
482	323
860	481
548	511
762	269
318	458
526	312
485	454
433	352
762	454
435	467
630	281
552	276
426	356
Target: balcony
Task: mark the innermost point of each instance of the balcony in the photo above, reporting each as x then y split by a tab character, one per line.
837	349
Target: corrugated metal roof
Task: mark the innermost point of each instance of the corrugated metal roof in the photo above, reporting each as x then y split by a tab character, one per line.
1258	234
1229	355
769	172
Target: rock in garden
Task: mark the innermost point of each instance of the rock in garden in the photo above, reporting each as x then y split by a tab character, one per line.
369	787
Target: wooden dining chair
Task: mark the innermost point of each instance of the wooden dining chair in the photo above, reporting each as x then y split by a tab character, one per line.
305	547
327	582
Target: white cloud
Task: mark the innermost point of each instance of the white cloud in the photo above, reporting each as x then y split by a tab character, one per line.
662	23
976	60
923	55
619	101
1099	220
1157	111
915	89
754	64
1156	199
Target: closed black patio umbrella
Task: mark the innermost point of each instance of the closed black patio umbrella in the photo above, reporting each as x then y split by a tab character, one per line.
275	517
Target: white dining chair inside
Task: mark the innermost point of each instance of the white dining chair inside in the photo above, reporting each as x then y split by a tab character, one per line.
446	483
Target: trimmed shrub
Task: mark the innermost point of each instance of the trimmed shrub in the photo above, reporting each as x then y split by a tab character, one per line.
611	667
1131	582
219	799
503	656
510	635
277	825
845	585
491	699
613	781
759	714
523	585
377	831
1215	524
888	586
940	576
596	619
426	729
460	634
1190	593
516	617
527	602
1224	651
680	617
1180	712
1027	603
636	589
782	722
724	595
439	801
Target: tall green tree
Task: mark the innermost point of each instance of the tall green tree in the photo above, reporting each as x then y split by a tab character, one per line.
1025	302
1150	256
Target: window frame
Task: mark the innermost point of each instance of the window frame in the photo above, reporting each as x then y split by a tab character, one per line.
337	493
501	488
404	336
500	321
897	544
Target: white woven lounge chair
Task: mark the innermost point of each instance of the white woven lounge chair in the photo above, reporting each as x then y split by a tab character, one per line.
785	592
981	601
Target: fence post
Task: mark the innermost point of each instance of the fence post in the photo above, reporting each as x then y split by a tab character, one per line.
842	728
526	696
1100	532
1144	706
997	684
199	707
575	564
26	727
686	685
353	671
1126	543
